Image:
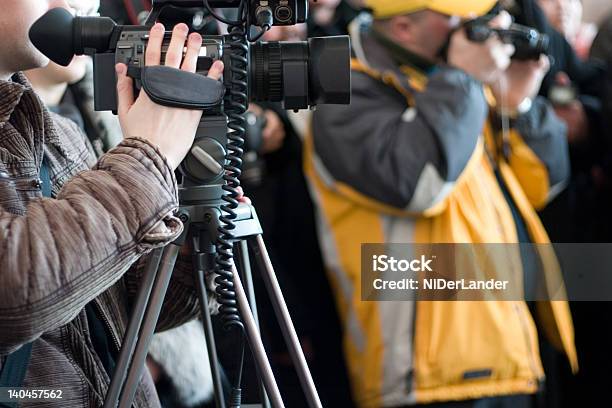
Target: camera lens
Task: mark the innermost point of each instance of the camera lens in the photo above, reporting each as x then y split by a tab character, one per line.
529	44
266	72
301	74
330	70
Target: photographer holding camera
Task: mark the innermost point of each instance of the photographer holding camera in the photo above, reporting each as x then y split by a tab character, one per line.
66	260
422	155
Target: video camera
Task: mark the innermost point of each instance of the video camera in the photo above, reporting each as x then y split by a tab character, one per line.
301	75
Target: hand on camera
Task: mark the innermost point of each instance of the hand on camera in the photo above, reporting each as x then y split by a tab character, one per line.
273	133
575	118
274	130
484	61
523	80
170	129
572	113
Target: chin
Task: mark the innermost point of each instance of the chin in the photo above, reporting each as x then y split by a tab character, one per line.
32	61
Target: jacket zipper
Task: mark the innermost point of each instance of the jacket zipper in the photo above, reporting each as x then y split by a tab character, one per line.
108	325
521	316
109	328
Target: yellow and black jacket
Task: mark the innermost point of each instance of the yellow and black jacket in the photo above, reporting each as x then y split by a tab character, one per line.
412	160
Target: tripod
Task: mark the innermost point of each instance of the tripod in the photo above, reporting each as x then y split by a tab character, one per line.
201	213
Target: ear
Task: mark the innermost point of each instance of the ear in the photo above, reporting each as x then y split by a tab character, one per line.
402	29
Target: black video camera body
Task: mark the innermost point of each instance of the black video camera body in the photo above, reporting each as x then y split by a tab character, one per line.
299	74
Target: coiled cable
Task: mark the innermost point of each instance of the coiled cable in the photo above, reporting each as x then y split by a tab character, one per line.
235	105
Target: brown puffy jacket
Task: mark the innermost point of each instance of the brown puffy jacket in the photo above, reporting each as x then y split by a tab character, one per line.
57	255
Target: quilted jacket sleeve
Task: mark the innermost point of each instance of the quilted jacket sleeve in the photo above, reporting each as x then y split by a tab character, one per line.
66	251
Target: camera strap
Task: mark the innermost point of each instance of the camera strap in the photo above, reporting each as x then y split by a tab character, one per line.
16	364
45	179
14	371
177	88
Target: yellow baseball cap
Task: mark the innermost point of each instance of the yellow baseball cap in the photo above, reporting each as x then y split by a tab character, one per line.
461	8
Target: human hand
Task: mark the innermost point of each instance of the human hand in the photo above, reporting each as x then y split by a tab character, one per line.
485	61
570	110
323	11
273	133
241	197
172	130
576	120
521	80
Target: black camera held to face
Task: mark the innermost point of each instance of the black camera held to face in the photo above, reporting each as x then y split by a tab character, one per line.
529	44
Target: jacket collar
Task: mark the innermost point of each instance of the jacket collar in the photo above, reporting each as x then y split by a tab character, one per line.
367	51
11	92
17	94
401	55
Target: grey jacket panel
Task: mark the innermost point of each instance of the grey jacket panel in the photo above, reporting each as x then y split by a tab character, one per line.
382	147
546	135
455	107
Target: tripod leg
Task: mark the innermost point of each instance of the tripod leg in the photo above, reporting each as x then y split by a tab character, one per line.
242	256
200	262
131	334
282	313
210	342
150	322
259	353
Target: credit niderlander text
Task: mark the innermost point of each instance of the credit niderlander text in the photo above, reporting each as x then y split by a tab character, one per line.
385	263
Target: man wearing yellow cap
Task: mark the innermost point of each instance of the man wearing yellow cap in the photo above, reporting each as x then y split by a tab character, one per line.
420	157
